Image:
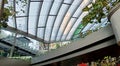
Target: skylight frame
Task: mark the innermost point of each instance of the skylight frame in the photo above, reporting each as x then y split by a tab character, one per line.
72	8
58	20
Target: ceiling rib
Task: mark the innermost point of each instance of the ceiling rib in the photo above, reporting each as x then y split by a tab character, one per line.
56	33
54	21
75	17
38	18
14	6
69	19
72	26
74	23
62	19
21	16
52	15
28	10
75	30
67	3
42	27
47	19
23	33
36	1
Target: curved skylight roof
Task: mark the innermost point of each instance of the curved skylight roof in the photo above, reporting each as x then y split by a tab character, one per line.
48	20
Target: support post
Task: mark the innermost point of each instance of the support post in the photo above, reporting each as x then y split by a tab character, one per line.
114	17
13	46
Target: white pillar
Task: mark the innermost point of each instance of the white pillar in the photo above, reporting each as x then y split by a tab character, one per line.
114	17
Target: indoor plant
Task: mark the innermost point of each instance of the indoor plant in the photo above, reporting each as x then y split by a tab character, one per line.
102	9
6	11
4	14
97	11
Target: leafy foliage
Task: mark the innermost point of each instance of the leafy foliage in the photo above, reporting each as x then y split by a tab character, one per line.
5	13
98	11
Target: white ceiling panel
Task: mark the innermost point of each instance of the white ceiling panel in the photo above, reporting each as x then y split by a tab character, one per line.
50	20
58	20
33	14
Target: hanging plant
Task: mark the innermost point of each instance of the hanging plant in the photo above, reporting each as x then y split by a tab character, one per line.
4	18
4	14
98	10
9	11
97	13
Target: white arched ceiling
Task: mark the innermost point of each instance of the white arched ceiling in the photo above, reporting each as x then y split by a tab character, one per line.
48	20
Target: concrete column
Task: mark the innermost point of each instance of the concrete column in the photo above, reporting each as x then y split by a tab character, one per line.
114	17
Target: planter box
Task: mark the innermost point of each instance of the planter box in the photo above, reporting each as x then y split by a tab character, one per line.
114	17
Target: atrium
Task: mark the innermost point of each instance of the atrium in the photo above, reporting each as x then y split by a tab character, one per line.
50	32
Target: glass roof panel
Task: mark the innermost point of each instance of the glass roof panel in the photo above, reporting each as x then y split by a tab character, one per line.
82	5
67	29
22	24
68	1
55	7
67	17
50	21
80	26
57	17
33	12
44	12
76	25
77	31
49	27
11	21
87	27
36	0
58	20
21	7
74	5
40	32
